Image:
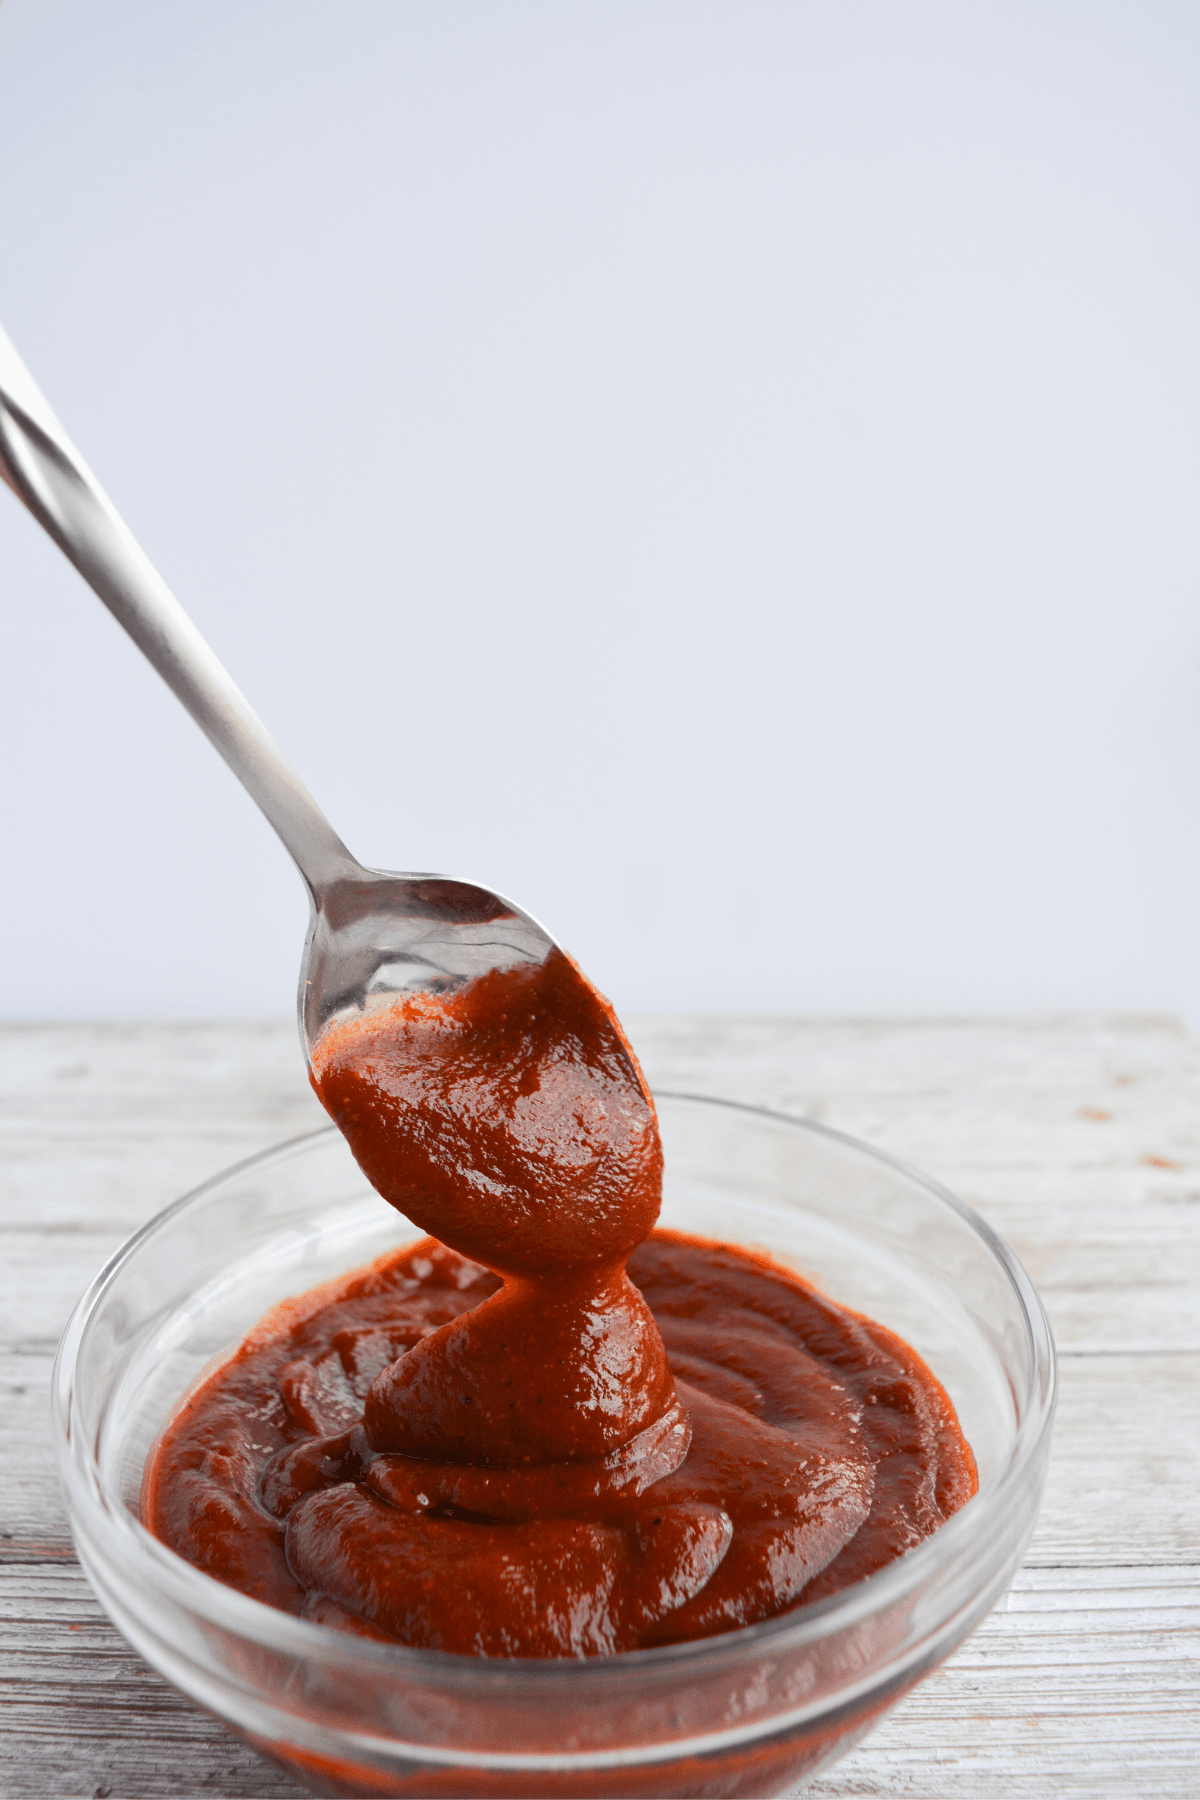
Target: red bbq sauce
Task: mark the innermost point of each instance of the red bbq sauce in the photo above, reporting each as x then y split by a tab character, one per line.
545	1430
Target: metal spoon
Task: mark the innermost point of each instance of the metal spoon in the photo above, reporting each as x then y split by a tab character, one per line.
370	932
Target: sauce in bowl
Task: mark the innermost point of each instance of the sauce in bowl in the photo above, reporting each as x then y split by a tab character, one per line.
547	1429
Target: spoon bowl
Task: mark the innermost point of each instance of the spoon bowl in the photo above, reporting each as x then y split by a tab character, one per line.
375	937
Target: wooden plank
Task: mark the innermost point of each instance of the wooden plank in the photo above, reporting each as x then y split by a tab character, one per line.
33	1519
987	1107
84	1716
1125	1470
1085	1684
102	1125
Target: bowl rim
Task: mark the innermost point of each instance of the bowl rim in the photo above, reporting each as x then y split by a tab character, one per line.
123	1535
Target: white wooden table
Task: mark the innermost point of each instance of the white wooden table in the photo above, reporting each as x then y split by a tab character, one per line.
1078	1138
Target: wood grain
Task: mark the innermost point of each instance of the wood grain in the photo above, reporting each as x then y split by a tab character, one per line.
1078	1138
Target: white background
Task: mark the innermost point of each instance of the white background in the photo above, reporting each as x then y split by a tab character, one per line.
725	474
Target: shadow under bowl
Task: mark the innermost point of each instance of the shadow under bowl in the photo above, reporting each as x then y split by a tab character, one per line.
753	1712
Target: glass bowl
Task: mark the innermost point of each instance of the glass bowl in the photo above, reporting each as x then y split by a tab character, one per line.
752	1712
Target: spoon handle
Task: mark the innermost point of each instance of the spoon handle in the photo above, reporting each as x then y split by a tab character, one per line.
47	473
